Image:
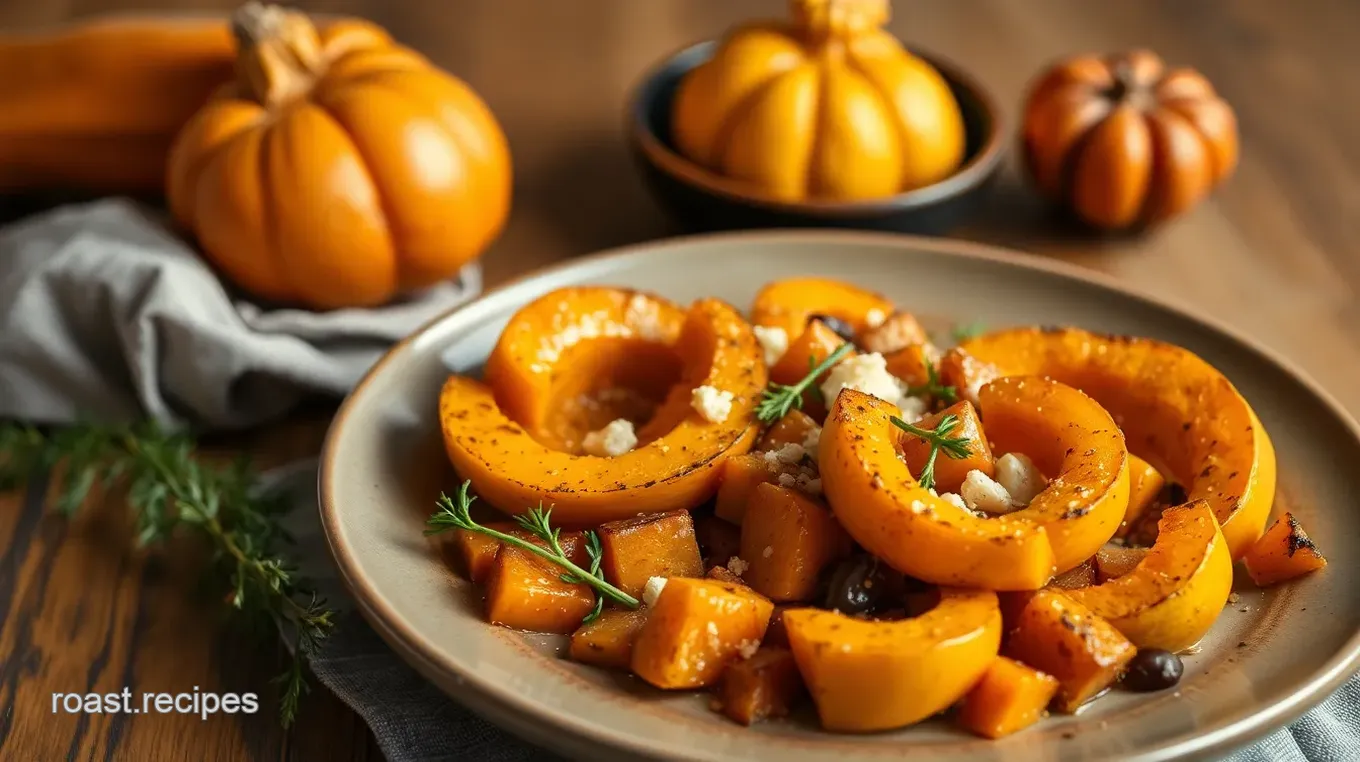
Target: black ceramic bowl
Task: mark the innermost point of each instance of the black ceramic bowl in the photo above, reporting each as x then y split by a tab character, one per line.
703	200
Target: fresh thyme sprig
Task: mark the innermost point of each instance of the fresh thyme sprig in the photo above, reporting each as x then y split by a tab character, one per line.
933	387
939	439
456	514
965	331
779	399
169	489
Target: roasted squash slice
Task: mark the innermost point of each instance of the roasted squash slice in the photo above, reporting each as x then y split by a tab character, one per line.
1060	637
1177	411
1172	597
876	675
1145	485
886	510
1285	551
1009	697
789	303
696	628
576	358
511	470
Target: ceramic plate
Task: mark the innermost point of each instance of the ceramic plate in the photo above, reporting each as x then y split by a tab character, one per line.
1270	657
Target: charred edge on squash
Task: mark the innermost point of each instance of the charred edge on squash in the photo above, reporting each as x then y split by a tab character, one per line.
1298	539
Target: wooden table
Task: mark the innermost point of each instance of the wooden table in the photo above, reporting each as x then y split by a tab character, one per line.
1276	253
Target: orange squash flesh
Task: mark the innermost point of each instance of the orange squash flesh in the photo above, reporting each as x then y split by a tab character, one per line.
1174	595
950	472
788	539
793	428
637	549
740	477
678	470
478	552
886	511
765	685
608	641
1145	485
695	630
1060	637
1114	561
899	331
1079	576
1176	410
807	349
877	675
1283	552
526	592
911	364
790	302
1009	697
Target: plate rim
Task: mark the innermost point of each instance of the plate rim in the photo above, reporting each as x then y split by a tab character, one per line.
422	654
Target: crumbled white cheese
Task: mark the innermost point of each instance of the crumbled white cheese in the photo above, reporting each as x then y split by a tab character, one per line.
712	403
652	590
913	409
643	315
614	439
867	373
808	483
748	648
775	342
737	566
981	493
589	326
812	441
767	552
955	500
790	453
1021	478
875	317
788	481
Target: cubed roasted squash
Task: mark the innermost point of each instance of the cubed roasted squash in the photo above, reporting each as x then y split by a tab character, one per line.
1062	638
1283	552
719	539
950	472
695	629
1145	485
660	545
608	641
477	552
1009	697
765	685
740	476
525	591
806	350
899	331
912	364
787	539
793	428
1116	560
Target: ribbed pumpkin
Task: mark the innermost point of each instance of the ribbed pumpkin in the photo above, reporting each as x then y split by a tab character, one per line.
341	169
827	106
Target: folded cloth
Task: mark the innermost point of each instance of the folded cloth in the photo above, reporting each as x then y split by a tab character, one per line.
105	312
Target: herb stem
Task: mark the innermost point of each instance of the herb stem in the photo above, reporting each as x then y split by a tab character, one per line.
779	399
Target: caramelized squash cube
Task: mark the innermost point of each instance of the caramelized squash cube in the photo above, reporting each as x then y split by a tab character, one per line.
812	346
910	364
659	545
695	629
1009	697
1283	552
608	641
526	592
740	477
787	539
949	472
1062	638
477	552
793	428
766	685
898	332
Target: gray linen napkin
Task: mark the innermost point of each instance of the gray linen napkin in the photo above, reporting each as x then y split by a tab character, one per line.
104	311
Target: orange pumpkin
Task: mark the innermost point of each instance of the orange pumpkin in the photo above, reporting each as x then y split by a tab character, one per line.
828	107
1124	141
341	169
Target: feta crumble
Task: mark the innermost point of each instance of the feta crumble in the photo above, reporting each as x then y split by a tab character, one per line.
614	439
737	566
712	403
790	453
875	317
956	501
652	590
775	342
1021	478
913	409
812	441
642	314
867	373
767	552
981	493
788	481
748	648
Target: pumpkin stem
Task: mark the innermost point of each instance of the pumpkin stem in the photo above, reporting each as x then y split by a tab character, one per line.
822	21
278	52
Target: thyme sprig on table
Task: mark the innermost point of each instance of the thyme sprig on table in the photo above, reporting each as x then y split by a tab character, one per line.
456	514
934	387
939	440
779	399
169	490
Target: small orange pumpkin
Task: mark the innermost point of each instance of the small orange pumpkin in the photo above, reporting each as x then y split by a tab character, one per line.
1124	141
341	169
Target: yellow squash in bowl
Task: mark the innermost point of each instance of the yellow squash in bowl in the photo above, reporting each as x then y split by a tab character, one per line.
826	106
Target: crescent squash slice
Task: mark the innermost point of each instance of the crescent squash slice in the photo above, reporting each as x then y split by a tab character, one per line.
1174	595
867	675
677	470
881	505
791	302
1177	411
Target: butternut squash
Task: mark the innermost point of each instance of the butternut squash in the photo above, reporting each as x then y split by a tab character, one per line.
789	303
1177	411
637	549
793	428
1058	636
608	641
765	685
806	350
787	540
1174	595
678	470
950	472
1114	561
1009	697
912	365
525	591
695	630
1285	551
1145	486
477	552
899	331
883	508
868	675
740	477
94	105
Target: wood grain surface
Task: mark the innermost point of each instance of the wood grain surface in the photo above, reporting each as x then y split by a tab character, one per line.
1276	253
